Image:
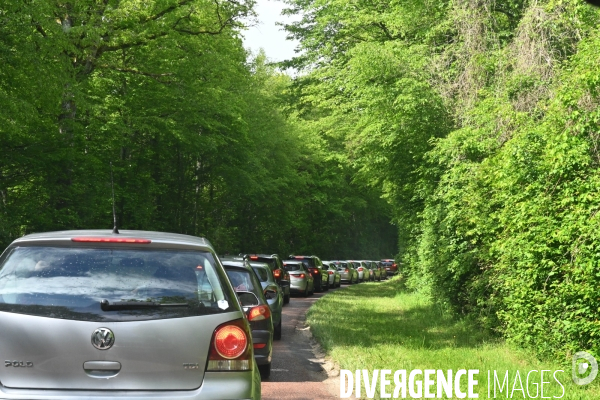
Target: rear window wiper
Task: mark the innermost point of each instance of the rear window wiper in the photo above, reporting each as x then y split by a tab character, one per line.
105	305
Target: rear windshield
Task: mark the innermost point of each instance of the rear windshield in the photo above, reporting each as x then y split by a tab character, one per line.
70	283
386	263
293	267
308	261
262	273
271	262
241	280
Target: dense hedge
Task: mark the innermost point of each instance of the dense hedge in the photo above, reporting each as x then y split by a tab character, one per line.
479	122
510	235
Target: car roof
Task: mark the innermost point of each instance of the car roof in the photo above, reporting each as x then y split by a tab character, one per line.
260	264
230	262
232	258
158	239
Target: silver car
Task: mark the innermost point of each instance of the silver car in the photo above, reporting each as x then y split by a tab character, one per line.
136	315
374	270
364	273
334	276
347	271
301	281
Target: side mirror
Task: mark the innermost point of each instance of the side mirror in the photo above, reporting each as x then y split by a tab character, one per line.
248	299
270	294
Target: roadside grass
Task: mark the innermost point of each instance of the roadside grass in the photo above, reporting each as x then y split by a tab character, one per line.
379	326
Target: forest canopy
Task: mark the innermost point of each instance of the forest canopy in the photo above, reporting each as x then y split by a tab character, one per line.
199	132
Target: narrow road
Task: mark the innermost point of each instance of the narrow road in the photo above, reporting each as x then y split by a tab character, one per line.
295	372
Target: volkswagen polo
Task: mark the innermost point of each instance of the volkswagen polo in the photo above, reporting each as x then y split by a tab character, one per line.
136	315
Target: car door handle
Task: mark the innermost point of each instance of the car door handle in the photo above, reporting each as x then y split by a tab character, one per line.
101	369
102	365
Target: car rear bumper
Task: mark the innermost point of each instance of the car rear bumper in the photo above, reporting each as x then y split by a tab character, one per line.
216	386
262	356
298	286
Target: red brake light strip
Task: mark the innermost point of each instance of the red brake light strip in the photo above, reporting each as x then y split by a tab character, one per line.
110	240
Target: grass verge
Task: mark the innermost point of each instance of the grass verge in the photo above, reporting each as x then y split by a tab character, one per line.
379	326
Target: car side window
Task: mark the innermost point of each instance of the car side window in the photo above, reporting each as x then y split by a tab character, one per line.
262	273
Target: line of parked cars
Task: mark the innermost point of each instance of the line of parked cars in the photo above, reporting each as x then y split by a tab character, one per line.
147	314
309	274
265	283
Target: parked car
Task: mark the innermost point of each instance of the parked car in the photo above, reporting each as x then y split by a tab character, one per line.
377	269
347	271
92	314
382	270
262	323
374	272
315	267
361	268
280	274
390	266
301	279
371	271
334	275
273	293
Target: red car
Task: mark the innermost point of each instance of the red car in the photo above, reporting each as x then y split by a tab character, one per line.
390	266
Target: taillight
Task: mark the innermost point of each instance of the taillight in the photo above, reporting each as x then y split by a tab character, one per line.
110	240
230	342
229	350
359	269
346	270
277	273
394	265
254	258
259	313
330	272
302	276
260	345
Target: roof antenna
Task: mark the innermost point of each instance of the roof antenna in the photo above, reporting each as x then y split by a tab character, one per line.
112	185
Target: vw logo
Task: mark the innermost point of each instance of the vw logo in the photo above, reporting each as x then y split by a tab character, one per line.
103	338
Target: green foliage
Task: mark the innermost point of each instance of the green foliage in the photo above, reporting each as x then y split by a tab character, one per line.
478	123
201	134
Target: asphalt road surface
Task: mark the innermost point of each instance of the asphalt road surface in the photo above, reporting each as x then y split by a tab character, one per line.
296	372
